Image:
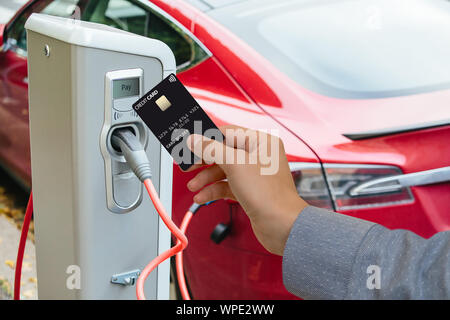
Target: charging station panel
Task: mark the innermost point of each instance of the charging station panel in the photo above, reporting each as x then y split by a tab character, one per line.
93	226
122	89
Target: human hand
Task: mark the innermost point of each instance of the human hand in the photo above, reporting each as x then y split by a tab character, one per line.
250	167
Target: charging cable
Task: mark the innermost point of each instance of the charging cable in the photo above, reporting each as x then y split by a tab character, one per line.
135	155
181	244
21	250
179	257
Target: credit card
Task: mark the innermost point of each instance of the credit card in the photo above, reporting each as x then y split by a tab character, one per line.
172	114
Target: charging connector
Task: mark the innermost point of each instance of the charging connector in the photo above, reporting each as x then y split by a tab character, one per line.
125	140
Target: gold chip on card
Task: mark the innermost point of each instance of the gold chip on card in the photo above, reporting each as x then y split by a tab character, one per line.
163	103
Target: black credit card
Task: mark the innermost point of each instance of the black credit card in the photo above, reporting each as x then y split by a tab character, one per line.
172	114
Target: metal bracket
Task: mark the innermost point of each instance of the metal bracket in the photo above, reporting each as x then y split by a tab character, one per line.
127	278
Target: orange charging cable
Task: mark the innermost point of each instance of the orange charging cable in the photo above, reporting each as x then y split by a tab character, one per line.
180	245
133	151
179	259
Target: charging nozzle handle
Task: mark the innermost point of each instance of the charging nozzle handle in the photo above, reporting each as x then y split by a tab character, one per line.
133	151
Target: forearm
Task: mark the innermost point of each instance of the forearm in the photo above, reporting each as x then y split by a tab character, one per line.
333	256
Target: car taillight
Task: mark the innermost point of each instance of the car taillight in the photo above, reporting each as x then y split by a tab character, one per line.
350	186
363	186
311	184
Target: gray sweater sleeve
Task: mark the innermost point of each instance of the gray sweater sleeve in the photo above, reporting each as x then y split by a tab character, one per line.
334	256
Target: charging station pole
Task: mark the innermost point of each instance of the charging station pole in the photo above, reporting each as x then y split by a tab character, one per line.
94	228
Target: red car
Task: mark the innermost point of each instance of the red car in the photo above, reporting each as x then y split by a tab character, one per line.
359	91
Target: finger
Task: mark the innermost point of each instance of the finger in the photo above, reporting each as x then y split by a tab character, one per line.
216	191
195	167
199	163
213	151
207	176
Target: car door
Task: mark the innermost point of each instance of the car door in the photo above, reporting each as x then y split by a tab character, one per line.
139	17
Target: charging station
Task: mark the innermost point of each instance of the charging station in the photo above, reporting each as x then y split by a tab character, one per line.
94	229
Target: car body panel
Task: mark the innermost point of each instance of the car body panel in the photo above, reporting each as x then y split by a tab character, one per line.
321	123
14	130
